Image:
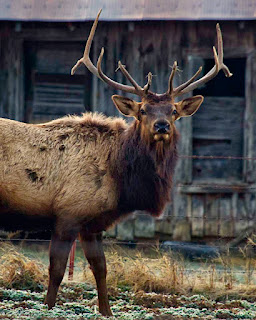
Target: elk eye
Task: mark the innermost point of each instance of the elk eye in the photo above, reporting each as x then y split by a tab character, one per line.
142	111
174	112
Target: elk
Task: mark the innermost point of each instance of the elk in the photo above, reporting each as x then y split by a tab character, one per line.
79	174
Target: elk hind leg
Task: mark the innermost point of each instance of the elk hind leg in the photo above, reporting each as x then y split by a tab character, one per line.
93	250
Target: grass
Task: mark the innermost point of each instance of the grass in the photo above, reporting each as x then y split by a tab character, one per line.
26	267
148	282
18	271
224	277
140	272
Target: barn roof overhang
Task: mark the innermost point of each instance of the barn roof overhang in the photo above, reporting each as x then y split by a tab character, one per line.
123	10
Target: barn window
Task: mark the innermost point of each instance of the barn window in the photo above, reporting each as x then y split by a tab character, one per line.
218	125
56	95
51	92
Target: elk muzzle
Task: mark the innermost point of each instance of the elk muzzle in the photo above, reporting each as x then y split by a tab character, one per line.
161	130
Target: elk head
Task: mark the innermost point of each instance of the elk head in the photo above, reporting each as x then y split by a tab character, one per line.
155	113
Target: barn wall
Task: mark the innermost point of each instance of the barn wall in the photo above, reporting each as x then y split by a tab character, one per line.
11	75
225	205
210	211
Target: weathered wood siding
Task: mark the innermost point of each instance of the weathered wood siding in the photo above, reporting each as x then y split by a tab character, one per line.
216	197
11	76
218	131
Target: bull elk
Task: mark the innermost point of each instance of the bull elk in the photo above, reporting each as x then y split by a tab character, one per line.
78	175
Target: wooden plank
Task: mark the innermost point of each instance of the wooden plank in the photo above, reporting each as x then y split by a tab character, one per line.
144	225
51	99
246	212
58	93
182	230
41	118
221	187
64	100
234	204
250	202
226	219
125	230
249	171
208	136
185	128
218	130
183	174
217	117
181	206
13	65
55	108
211	227
197	218
199	34
56	104
46	84
242	216
56	34
165	226
58	58
61	94
54	88
229	169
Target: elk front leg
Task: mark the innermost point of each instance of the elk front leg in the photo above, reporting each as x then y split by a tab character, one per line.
93	250
60	247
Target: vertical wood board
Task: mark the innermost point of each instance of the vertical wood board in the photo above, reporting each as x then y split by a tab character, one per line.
211	227
226	220
197	218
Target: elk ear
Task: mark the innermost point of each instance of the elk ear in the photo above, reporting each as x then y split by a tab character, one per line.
189	106
126	106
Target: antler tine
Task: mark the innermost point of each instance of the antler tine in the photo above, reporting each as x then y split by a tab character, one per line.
219	42
86	59
220	51
219	65
112	83
184	85
98	71
170	86
148	84
129	77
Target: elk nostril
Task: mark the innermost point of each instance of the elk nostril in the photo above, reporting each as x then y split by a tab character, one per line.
162	127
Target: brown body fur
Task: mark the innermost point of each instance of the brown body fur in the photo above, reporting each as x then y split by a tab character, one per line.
60	168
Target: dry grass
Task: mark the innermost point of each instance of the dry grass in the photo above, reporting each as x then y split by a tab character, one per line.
130	269
162	274
20	272
166	274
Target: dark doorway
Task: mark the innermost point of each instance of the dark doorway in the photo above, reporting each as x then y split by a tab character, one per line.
218	125
221	86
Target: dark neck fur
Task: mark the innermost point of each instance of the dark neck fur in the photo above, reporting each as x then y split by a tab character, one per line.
144	172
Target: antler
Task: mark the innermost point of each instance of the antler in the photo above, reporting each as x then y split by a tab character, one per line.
190	85
135	89
138	90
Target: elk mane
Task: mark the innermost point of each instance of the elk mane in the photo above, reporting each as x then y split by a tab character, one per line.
144	178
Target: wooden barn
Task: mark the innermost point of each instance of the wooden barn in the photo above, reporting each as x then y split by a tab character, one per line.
215	184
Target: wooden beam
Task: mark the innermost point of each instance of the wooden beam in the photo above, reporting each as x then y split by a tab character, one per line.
212	188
